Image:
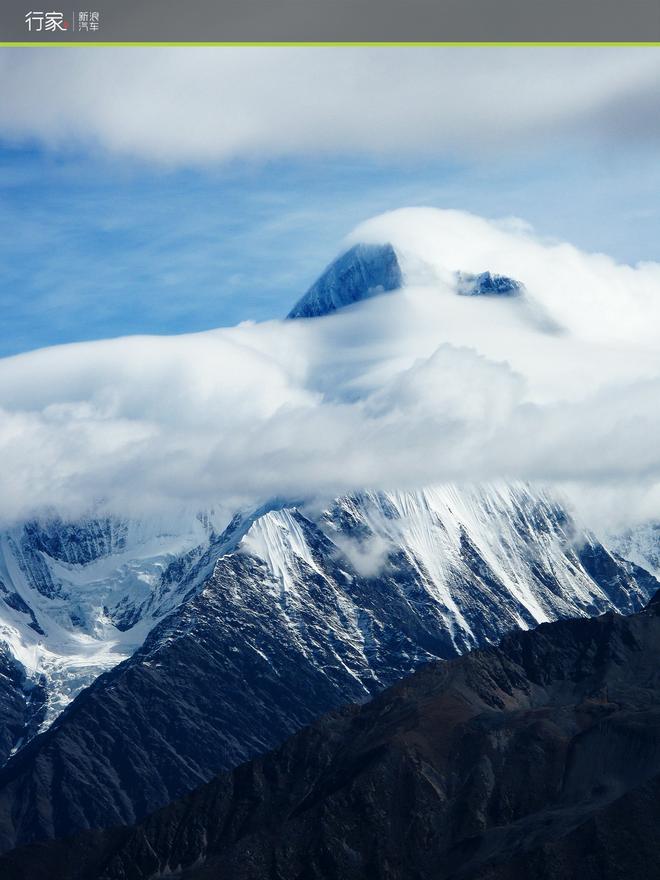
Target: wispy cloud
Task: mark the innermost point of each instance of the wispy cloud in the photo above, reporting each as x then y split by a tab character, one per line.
206	105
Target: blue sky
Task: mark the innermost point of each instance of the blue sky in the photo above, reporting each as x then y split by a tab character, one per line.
126	208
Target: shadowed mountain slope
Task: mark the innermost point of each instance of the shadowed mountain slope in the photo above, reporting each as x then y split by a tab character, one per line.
539	758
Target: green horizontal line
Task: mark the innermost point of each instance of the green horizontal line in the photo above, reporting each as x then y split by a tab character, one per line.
322	43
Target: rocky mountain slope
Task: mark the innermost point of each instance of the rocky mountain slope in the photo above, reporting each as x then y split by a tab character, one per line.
306	612
538	758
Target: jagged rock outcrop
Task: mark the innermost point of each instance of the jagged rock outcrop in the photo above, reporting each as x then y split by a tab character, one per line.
362	272
488	284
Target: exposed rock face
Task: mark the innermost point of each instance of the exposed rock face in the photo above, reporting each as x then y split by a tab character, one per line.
539	758
362	272
22	704
302	613
488	284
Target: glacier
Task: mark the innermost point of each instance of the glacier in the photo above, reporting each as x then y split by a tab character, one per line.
79	597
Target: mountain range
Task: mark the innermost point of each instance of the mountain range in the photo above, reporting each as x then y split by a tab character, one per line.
141	656
537	758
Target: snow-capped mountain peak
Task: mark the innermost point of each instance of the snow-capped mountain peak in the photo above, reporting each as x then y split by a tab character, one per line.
358	274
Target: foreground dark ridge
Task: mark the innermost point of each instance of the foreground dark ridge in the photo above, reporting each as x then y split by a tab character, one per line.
539	758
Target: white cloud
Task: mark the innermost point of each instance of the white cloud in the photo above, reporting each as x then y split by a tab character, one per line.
367	556
411	388
202	105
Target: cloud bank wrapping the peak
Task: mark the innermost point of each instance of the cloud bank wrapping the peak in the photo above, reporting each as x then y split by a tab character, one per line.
408	388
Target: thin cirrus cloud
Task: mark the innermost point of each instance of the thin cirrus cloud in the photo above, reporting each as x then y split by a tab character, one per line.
420	386
180	106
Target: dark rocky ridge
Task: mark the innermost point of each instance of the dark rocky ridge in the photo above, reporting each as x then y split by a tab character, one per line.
539	758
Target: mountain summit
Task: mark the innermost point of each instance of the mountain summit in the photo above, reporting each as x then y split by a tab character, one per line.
362	272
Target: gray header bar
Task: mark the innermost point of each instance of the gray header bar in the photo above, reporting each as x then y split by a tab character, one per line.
331	21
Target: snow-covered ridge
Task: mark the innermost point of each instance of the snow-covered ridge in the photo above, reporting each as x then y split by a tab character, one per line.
641	545
77	598
501	550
